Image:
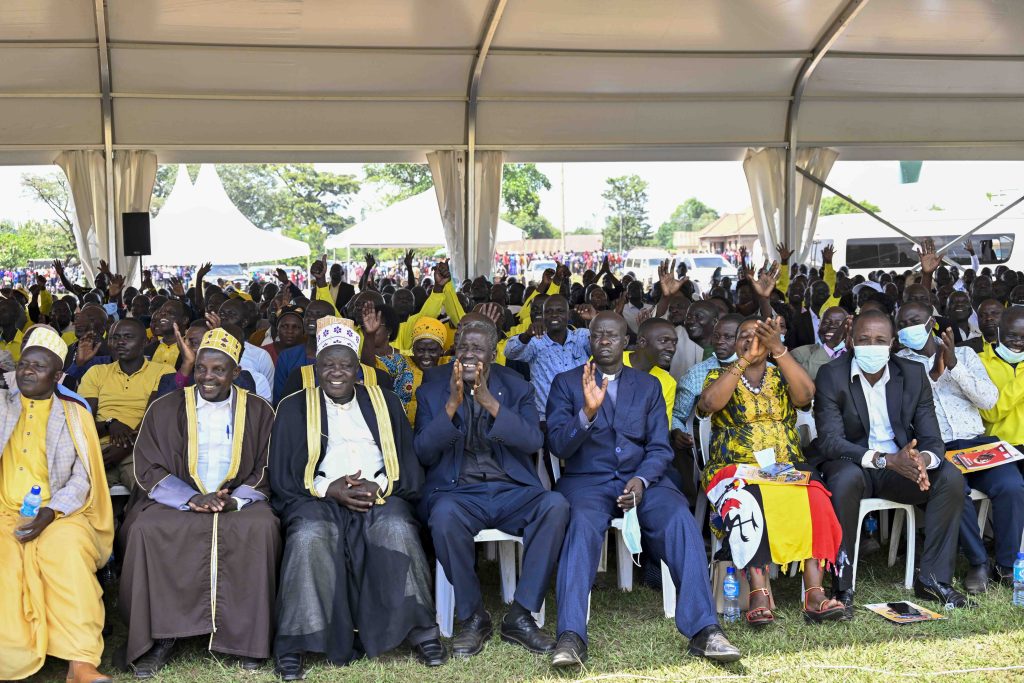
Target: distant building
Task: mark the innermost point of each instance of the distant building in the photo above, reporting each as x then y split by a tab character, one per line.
729	233
687	241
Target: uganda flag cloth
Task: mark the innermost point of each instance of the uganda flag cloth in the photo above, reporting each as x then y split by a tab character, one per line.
767	523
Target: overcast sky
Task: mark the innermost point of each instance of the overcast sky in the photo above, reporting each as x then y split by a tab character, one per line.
953	186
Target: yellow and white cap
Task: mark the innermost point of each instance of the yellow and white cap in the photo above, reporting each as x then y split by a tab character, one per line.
221	340
45	337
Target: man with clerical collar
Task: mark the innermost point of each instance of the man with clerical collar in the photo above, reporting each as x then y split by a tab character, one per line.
608	423
354	578
201	541
53	604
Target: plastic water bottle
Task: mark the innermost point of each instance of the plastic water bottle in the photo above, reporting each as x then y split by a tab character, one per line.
871	525
1018	581
731	591
30	506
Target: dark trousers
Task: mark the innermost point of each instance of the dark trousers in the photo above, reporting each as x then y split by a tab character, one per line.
456	516
667	530
1005	486
943	504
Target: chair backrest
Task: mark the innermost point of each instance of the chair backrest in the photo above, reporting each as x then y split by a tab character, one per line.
705	441
805	425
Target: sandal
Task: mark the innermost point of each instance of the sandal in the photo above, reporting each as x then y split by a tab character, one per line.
759	617
821	615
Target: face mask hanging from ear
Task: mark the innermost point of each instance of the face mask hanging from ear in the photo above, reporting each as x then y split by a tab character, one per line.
1008	354
631	532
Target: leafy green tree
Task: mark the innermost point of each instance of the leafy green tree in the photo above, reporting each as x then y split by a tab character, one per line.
830	206
520	191
406	179
626	198
20	243
52	189
690	216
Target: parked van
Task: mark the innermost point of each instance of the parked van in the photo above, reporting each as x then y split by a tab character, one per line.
863	244
701	267
644	262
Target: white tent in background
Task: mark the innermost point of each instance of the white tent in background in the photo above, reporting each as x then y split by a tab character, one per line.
414	222
200	223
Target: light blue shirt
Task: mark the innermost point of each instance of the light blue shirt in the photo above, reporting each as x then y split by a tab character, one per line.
548	358
688	391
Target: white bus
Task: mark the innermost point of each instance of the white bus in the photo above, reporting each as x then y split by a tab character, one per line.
863	244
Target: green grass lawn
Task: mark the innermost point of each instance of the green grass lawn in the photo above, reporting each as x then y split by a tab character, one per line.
630	640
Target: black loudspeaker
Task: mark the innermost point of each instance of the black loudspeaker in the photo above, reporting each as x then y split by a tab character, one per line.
135	233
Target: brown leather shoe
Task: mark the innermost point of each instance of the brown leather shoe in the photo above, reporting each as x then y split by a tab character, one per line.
84	672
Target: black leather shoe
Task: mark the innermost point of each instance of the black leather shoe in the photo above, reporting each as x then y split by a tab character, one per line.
150	663
569	651
250	663
521	629
942	593
289	667
976	580
473	635
845	597
710	643
430	652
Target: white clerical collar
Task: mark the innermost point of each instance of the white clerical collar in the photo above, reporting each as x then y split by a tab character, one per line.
610	378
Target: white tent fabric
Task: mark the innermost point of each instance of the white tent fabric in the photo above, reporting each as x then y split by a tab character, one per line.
414	223
200	223
489	167
86	175
447	168
386	80
766	178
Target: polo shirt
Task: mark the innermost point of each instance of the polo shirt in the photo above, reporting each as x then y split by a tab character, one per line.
668	385
1005	420
13	347
120	396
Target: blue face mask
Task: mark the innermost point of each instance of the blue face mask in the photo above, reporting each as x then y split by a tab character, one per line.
915	337
871	359
731	359
1008	354
631	532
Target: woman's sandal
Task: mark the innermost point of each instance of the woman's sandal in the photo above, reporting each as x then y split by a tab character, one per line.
822	615
759	617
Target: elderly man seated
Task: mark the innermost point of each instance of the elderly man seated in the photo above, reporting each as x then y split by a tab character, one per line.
52	604
201	542
354	578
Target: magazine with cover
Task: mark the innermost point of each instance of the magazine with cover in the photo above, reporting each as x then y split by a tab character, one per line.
984	457
903	612
773	475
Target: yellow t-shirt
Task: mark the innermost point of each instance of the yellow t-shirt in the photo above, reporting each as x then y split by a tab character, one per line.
668	385
14	346
1004	420
122	397
69	336
23	464
165	354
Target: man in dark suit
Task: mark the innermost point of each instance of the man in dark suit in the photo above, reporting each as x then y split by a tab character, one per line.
476	436
608	423
805	323
879	438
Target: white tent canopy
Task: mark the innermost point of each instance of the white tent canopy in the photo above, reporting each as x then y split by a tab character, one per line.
413	223
200	223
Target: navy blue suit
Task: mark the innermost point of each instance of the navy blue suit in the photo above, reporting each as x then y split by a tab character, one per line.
628	438
456	512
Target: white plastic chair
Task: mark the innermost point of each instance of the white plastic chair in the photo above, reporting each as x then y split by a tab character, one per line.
805	420
984	507
444	592
624	567
901	512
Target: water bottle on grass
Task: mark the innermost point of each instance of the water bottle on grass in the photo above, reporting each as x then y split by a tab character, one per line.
1018	581
731	591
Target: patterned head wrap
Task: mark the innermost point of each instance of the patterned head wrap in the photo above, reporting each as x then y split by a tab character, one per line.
46	337
221	340
429	328
334	331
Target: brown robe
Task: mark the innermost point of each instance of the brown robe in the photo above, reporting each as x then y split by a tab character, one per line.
172	557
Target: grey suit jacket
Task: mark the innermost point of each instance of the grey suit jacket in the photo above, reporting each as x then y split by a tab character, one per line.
69	474
811	358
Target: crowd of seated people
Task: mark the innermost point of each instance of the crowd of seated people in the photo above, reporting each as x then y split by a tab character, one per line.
275	469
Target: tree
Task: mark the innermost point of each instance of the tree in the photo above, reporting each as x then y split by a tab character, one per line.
627	223
31	240
830	206
407	179
690	216
52	189
520	191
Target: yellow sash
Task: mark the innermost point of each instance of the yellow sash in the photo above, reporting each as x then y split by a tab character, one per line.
387	438
238	429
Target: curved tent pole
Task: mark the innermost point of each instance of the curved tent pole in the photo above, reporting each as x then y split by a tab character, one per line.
825	43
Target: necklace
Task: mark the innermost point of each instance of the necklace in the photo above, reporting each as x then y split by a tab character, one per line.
754	390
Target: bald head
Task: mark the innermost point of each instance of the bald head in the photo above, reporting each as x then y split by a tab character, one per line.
607	317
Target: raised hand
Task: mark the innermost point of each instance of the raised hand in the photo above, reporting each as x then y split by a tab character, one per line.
537	328
604	267
370	261
188	356
204	270
115	285
318	270
743	256
442	275
666	278
929	259
769	334
371	320
546	280
212	319
455	389
949	348
586	311
282	277
494	312
593	393
58	266
104	268
784	252
765	283
177	287
969	247
87	348
408	258
827	253
757	353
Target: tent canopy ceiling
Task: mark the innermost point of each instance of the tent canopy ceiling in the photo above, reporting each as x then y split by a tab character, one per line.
260	80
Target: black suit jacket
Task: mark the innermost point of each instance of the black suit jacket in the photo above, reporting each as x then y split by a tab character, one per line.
841	411
802	333
977	344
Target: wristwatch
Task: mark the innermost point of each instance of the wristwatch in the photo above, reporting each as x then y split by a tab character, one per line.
879	461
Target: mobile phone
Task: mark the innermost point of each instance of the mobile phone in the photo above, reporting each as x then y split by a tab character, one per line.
904	609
